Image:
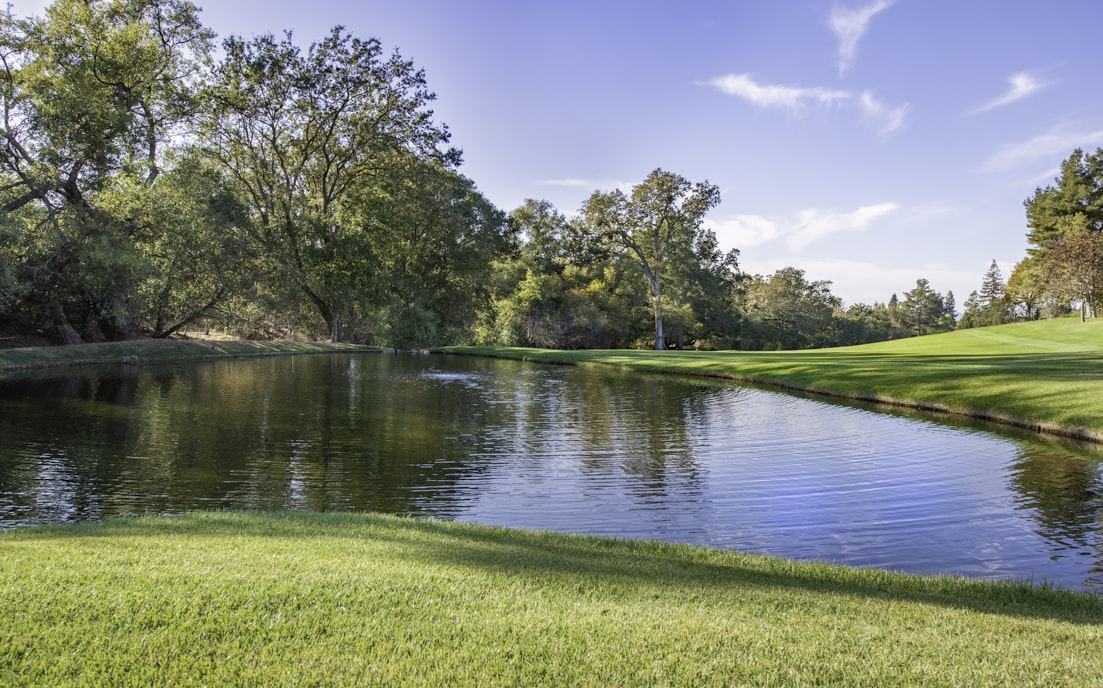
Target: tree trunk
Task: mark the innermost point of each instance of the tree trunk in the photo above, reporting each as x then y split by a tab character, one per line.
660	342
653	276
65	332
328	313
118	324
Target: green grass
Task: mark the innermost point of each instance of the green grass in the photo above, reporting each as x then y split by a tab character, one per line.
1045	375
154	350
308	599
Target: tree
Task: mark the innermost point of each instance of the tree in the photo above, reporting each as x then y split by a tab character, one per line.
660	219
561	289
1066	220
298	133
949	312
1025	289
434	239
191	231
703	287
786	311
1073	263
922	310
89	94
991	302
971	317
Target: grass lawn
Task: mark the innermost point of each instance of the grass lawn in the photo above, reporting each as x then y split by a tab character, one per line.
154	350
306	599
1045	375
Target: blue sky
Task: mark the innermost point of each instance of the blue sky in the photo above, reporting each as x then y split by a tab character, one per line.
868	142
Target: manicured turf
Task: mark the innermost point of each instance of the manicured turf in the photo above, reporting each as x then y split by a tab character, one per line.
1045	375
304	599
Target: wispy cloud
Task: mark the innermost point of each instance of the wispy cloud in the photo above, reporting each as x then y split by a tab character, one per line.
589	184
850	25
813	225
883	118
773	95
1020	85
1050	147
800	230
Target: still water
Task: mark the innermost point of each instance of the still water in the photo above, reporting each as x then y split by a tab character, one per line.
558	448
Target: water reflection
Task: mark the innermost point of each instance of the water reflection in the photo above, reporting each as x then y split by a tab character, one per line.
548	447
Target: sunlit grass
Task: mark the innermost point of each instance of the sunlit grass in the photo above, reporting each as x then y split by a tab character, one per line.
300	599
1046	375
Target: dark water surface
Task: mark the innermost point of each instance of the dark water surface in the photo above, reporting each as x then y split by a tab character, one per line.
558	448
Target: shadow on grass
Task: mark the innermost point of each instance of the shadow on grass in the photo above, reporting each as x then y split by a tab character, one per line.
594	566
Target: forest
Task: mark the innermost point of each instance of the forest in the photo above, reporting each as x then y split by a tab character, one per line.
148	189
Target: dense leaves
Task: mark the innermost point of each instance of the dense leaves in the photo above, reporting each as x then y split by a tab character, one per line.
1066	233
281	190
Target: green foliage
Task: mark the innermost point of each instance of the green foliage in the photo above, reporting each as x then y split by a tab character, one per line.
657	223
1066	226
345	599
303	135
561	289
434	239
992	305
89	94
923	311
786	311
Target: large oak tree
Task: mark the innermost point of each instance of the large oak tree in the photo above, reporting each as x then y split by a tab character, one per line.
659	220
298	132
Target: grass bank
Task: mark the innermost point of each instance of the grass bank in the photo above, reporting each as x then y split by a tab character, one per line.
154	350
1045	376
340	599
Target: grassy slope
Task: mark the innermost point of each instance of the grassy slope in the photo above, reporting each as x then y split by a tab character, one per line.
295	599
153	350
1047	375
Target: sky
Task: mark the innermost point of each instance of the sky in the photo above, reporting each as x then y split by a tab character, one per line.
867	142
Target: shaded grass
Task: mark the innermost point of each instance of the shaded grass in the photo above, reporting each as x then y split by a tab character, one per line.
342	599
1045	375
155	350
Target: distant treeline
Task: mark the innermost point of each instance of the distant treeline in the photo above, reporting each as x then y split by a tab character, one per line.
149	189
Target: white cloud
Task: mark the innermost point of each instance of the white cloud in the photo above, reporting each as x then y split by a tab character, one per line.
813	225
806	227
1021	85
1050	147
850	25
771	95
883	118
744	231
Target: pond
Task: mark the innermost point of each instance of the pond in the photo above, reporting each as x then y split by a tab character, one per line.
558	448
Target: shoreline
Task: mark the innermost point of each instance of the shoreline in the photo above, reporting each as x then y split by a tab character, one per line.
595	359
712	365
140	351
